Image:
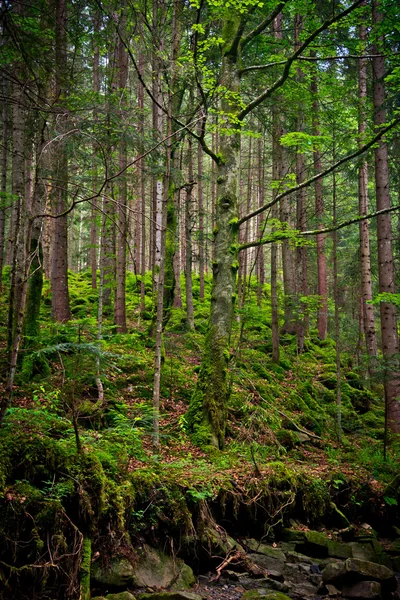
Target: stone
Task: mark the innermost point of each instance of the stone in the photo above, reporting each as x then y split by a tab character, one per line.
296	557
354	570
261	595
339	550
260	548
185	579
121	596
292	535
332	590
304	589
153	569
367	590
170	596
119	573
219	542
274	566
272	584
98	598
156	569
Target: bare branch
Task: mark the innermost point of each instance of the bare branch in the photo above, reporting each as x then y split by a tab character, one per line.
327	171
289	235
279	82
263	25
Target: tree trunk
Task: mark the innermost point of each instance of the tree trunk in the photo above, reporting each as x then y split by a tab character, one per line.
390	340
96	90
4	157
122	229
322	313
59	277
207	411
365	258
188	237
200	204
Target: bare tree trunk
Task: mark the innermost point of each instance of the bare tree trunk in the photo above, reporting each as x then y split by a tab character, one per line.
390	340
59	278
188	237
276	176
365	257
337	322
96	89
260	223
200	203
122	229
322	313
4	138
302	273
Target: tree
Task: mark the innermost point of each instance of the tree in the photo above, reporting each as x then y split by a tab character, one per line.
207	412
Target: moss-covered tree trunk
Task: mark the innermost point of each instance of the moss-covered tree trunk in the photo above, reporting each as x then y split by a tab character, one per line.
207	411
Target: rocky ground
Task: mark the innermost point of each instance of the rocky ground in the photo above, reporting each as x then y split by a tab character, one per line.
303	564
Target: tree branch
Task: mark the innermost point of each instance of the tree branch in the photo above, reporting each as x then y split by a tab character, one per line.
263	25
307	59
289	235
327	171
279	82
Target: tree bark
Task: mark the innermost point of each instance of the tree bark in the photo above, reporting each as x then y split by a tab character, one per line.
322	313
59	277
188	237
122	222
390	340
367	308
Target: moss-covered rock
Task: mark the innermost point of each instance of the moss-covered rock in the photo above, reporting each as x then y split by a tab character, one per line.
121	596
262	595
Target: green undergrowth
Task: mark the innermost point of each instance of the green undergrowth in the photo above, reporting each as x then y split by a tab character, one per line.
73	467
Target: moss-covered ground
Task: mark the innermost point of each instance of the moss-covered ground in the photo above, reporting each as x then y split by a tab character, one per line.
73	469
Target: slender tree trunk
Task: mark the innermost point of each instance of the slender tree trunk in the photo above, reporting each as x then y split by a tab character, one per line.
96	90
200	203
390	340
59	277
122	228
365	258
260	223
188	237
277	168
322	313
302	273
3	175
337	322
288	254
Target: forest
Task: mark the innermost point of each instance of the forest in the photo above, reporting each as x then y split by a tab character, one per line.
199	274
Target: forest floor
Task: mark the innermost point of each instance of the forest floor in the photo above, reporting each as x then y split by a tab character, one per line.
70	464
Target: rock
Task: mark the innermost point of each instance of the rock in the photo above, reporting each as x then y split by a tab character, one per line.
368	590
185	579
156	569
260	548
98	598
219	542
304	589
260	595
272	584
296	557
332	590
120	573
121	596
170	596
292	535
339	550
354	570
153	568
274	566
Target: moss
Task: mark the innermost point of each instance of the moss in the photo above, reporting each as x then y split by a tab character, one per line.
206	416
84	574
